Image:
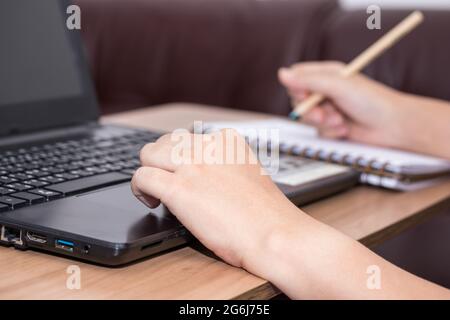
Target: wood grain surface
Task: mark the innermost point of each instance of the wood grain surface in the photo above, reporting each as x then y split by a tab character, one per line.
367	214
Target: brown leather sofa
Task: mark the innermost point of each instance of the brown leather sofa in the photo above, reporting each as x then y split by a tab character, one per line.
227	52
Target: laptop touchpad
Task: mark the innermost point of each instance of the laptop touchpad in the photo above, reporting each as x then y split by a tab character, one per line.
113	214
121	198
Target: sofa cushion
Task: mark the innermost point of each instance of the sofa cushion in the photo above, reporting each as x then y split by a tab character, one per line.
418	64
218	52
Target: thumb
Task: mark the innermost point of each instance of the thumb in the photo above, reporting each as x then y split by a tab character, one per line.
150	185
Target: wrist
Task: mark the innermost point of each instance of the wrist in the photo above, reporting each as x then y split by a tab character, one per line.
424	125
269	258
396	123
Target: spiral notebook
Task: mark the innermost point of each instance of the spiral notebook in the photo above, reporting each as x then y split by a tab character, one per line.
384	167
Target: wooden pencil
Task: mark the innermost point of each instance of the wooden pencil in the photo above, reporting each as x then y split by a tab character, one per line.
364	59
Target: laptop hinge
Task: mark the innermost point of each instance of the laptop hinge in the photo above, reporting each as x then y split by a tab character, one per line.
47	135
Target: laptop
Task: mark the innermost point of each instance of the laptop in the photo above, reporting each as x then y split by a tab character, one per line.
64	178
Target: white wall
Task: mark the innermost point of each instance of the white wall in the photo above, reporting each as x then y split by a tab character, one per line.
409	4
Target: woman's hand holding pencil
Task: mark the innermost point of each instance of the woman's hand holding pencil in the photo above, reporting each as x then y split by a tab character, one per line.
357	108
364	59
360	109
344	104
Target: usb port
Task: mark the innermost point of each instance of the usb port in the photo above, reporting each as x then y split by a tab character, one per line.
64	245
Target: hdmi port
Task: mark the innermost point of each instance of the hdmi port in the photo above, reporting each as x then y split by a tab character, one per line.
34	237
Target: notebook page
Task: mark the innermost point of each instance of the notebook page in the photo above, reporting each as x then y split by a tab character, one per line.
305	137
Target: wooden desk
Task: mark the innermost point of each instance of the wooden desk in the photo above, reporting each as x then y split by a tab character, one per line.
366	214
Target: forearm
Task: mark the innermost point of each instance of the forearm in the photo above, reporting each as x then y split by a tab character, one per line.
426	127
309	260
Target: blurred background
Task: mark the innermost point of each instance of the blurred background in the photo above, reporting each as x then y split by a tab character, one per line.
227	53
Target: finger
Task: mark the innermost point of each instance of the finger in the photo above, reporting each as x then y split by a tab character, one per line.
168	152
364	135
320	82
147	200
325	80
158	155
152	185
324	115
339	132
308	69
315	117
333	117
319	66
298	95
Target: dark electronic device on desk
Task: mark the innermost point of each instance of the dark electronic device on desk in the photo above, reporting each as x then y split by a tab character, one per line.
64	178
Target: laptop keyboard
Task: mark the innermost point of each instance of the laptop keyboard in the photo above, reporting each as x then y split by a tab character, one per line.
51	171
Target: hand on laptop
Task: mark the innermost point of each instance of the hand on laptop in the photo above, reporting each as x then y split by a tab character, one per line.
363	110
231	208
239	214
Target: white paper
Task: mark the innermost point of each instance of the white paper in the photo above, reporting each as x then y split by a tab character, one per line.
295	134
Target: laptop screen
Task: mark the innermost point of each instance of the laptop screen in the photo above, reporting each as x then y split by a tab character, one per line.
44	80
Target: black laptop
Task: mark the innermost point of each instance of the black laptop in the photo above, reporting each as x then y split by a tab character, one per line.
64	178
